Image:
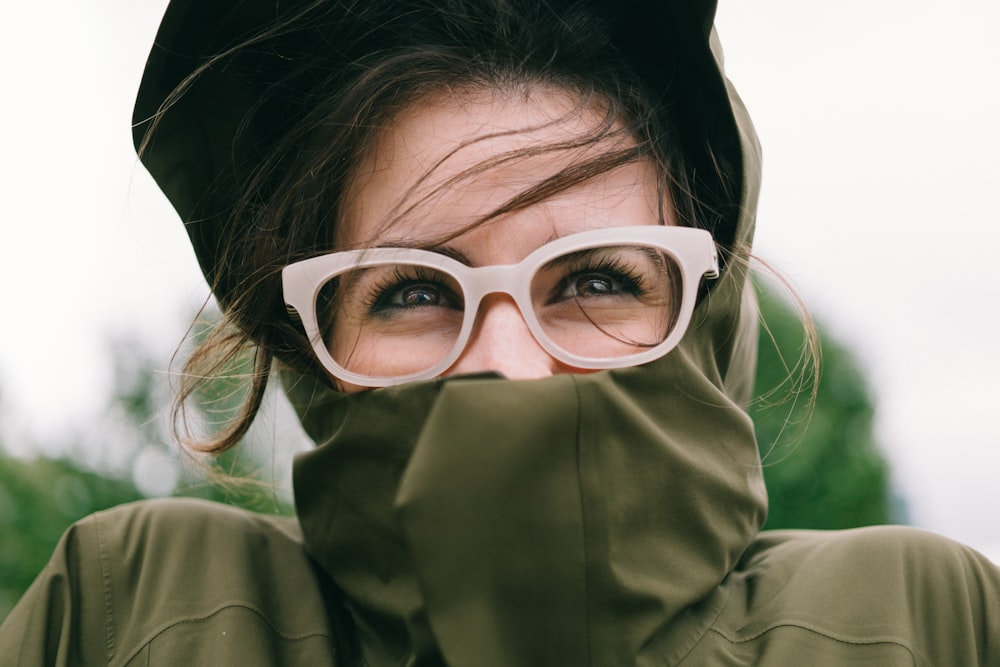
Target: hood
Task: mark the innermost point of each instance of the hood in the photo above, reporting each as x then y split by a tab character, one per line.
572	520
239	86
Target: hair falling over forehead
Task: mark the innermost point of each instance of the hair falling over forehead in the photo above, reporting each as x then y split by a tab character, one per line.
616	146
290	197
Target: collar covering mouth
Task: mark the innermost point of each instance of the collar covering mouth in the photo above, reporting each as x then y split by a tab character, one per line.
577	519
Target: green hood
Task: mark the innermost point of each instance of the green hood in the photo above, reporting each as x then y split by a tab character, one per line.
479	521
204	146
571	520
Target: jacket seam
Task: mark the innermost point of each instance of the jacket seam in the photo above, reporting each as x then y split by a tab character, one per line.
583	517
822	633
107	590
151	637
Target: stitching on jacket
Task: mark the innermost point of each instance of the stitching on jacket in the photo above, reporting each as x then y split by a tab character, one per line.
822	633
151	637
583	517
107	589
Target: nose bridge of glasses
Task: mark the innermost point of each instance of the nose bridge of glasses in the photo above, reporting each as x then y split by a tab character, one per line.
501	337
482	281
498	281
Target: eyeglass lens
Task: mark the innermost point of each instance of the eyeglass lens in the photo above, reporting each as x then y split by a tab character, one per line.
605	303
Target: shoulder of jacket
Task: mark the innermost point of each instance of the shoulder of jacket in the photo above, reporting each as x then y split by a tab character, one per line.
181	520
170	566
881	547
892	589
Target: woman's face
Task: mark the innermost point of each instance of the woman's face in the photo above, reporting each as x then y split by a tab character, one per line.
397	199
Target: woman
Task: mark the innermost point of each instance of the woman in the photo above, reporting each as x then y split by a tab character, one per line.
540	465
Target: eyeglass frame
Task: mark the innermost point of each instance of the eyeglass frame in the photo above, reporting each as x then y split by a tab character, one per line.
693	250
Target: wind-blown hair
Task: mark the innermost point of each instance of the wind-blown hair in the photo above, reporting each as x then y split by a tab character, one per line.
346	70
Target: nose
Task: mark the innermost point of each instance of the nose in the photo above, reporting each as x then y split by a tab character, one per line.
502	342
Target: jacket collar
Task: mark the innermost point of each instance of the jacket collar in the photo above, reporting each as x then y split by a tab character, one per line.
571	520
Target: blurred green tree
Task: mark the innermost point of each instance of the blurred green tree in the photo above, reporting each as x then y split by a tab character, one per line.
822	465
128	456
246	475
39	499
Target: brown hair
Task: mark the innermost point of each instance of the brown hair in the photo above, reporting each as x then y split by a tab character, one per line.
288	193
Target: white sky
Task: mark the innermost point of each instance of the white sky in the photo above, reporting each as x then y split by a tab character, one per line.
878	121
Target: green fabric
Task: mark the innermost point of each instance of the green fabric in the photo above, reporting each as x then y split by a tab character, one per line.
176	582
195	583
605	519
562	521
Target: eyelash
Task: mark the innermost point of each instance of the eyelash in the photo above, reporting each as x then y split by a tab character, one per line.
375	298
614	267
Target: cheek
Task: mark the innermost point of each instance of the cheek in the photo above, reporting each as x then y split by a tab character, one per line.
405	346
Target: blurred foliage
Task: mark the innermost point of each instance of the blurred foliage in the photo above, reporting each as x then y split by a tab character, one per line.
240	476
821	462
128	456
822	472
142	398
39	499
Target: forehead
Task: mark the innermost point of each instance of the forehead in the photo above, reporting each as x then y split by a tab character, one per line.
458	155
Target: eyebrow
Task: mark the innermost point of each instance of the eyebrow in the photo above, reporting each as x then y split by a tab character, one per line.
439	249
445	250
651	254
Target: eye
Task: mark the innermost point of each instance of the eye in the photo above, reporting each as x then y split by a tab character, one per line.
594	284
597	282
410	288
414	295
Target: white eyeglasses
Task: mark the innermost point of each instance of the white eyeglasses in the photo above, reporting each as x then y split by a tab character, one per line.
607	298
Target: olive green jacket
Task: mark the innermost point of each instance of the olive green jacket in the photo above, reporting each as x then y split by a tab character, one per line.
193	583
609	519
